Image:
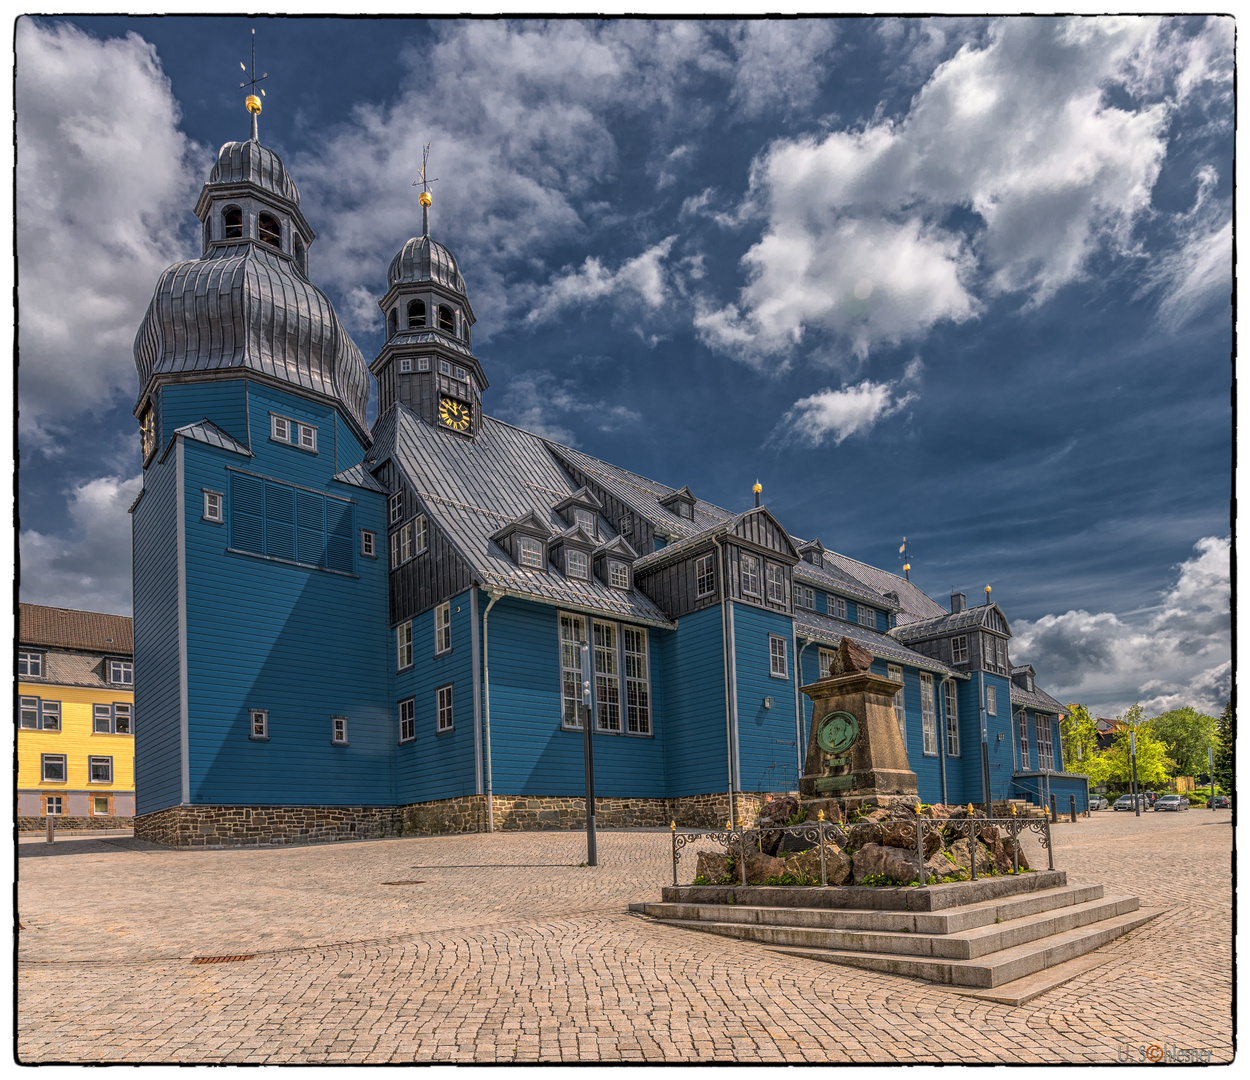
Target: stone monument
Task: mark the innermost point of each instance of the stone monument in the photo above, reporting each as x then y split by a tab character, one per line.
855	753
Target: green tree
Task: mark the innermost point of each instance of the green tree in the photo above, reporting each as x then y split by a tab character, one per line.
1079	732
1186	733
1115	765
1226	731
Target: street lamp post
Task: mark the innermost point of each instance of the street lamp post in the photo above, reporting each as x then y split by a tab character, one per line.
1132	749
592	855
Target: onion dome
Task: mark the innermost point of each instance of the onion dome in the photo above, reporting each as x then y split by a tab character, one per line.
423	259
250	163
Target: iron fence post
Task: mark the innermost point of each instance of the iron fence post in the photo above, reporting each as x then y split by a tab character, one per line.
742	854
824	879
973	845
920	849
674	858
1050	851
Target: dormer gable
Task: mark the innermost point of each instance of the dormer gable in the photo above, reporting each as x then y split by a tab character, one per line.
572	552
614	563
1024	677
583	499
760	529
813	551
680	502
525	539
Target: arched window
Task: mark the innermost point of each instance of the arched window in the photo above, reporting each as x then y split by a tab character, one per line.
232	220
416	313
392	322
208	232
464	330
270	230
446	320
300	262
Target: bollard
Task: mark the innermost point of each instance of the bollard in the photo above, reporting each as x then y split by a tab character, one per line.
51	829
1073	798
1054	810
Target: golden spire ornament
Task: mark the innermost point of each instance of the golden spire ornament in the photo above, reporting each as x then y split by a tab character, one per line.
253	99
426	198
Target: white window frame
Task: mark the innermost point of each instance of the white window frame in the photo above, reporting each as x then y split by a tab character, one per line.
403	646
959	649
805	597
618	574
1026	762
607	668
420	534
280	429
1045	746
637	680
529	552
103	761
405	365
778	657
837	607
60	806
32	662
749	574
950	703
258	724
396	508
928	714
95	805
407	720
824	662
396	561
1001	650
123	711
442	629
446	716
576	564
580	516
866	616
214	501
101	713
775	576
991	701
444	367
28	708
338	731
308	438
894	671
51	759
423	363
49	715
405	542
572	634
122	672
705	575
368	543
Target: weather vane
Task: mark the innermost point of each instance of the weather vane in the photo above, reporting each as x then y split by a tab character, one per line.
426	197
253	101
904	553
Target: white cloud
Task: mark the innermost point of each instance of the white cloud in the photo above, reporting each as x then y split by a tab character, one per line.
96	123
543	404
89	568
1035	129
852	410
640	279
1178	654
779	62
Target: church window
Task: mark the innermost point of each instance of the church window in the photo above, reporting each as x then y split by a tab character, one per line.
392	323
618	574
259	720
423	363
586	519
338	730
461	374
607	678
959	649
991	701
420	534
576	565
279	428
805	597
928	716
444	367
837	607
1045	748
900	712
208	232
212	506
572	634
407	720
777	665
301	258
446	718
416	314
1024	741
405	364
705	575
637	681
270	231
446	320
368	543
529	551
403	645
867	616
825	664
952	720
776	584
397	506
442	628
750	571
308	437
232	223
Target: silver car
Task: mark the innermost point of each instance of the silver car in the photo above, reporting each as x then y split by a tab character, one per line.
1172	802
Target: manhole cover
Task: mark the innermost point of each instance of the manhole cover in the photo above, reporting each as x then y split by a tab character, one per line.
221	959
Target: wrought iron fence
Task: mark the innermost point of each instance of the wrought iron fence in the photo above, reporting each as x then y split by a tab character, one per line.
739	841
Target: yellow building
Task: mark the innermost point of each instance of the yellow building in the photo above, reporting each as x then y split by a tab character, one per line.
75	722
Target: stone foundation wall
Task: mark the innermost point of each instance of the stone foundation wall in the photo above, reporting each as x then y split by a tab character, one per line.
248	826
64	821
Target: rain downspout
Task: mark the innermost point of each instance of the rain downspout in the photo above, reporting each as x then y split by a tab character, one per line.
799	708
490	799
724	633
942	742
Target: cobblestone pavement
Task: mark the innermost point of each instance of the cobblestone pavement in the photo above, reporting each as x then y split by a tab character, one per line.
501	948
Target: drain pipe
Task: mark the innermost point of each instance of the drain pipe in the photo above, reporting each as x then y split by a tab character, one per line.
942	742
490	799
799	708
724	635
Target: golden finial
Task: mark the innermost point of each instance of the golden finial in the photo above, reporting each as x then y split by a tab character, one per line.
253	100
820	816
426	198
758	487
673	825
987	594
970	811
729	825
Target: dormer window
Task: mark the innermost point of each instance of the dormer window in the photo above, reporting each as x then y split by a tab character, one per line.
416	314
529	552
270	231
680	503
232	223
586	520
446	319
576	565
618	574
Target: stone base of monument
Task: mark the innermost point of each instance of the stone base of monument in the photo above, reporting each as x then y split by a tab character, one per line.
1004	939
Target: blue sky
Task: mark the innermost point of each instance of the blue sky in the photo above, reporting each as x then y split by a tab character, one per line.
965	281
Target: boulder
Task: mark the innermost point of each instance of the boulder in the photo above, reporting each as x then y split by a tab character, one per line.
864	833
902	834
877	815
897	863
776	812
761	867
961	851
712	866
1009	846
939	866
837	864
989	834
1001	854
936	812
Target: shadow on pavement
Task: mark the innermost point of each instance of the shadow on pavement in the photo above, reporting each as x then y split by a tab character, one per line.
82	845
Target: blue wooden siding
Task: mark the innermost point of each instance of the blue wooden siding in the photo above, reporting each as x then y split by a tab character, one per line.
531	753
313	646
158	754
287	462
691	664
436	765
223	402
765	735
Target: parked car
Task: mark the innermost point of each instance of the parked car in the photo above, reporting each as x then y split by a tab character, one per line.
1125	802
1172	802
1097	802
1222	802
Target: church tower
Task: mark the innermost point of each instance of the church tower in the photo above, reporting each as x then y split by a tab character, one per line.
427	363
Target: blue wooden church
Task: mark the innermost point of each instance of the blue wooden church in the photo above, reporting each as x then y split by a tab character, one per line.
347	631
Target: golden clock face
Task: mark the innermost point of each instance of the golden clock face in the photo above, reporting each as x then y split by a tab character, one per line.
147	434
455	414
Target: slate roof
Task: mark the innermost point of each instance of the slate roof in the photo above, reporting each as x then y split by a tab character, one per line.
208	432
359	476
969	618
828	630
915	605
831	578
471	489
1035	699
678	548
67	628
75	669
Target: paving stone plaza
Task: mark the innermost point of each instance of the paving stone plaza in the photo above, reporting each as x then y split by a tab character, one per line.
501	948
